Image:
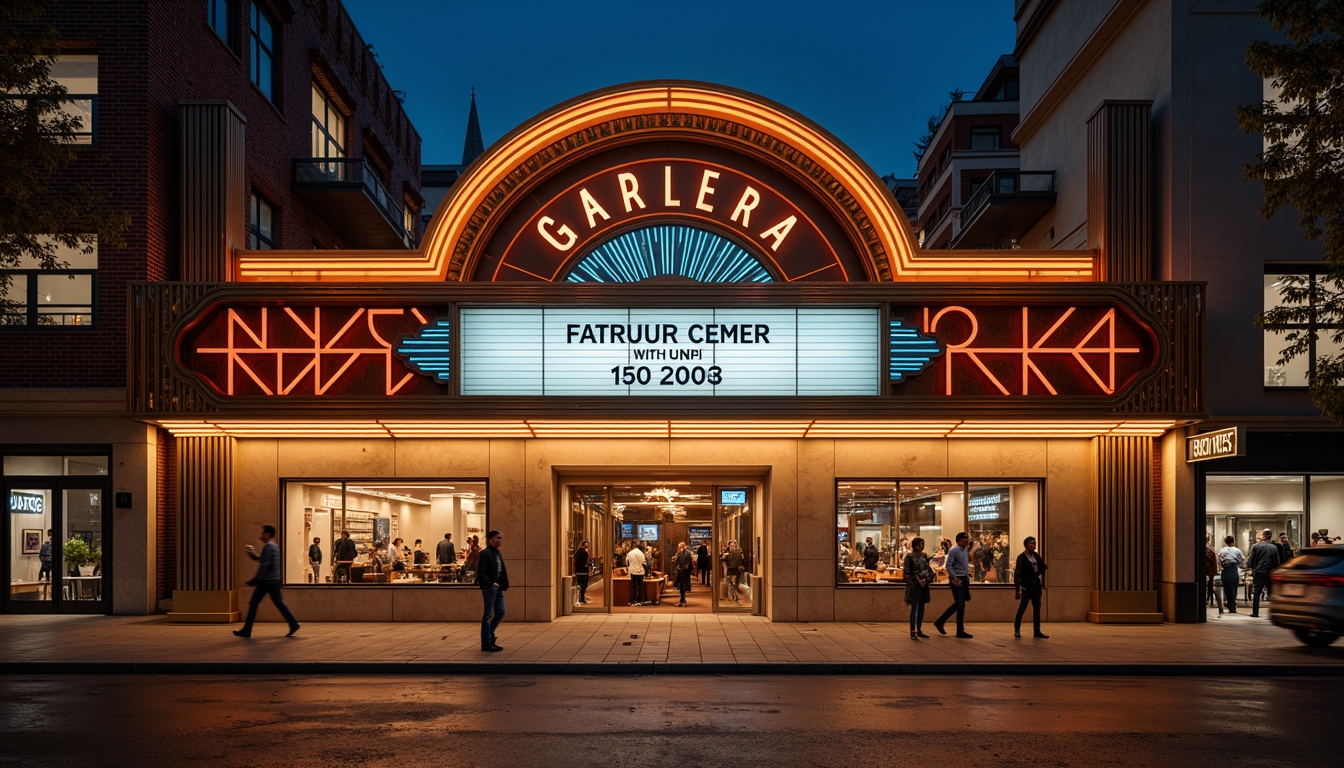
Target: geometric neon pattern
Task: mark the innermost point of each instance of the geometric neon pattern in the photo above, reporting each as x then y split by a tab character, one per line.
426	350
910	351
665	250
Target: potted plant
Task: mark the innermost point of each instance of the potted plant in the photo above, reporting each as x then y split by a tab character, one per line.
79	555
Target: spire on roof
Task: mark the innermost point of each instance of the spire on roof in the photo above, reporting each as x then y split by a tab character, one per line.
473	146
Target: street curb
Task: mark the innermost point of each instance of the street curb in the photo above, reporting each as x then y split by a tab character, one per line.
665	668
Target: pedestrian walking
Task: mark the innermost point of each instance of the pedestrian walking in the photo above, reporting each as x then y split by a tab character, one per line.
959	580
315	559
493	579
582	571
266	582
1029	585
635	564
685	563
918	582
1264	559
1210	573
342	556
1230	558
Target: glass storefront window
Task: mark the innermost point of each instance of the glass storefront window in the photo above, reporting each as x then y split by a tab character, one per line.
1327	509
375	514
1242	505
877	519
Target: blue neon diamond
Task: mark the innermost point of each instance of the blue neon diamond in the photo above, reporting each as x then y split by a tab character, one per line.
910	351
426	350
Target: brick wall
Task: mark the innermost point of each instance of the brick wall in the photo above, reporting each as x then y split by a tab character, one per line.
151	55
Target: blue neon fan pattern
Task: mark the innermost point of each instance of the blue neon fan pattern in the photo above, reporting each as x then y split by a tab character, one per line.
666	250
426	350
911	351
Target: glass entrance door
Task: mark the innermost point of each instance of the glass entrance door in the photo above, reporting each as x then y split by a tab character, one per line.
55	552
737	547
588	551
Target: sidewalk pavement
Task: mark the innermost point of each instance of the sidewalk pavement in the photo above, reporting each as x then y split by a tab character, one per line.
1231	646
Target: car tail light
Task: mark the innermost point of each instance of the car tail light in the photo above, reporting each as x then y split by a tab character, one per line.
1329	581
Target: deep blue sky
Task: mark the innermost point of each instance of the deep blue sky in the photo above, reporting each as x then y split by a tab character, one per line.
869	71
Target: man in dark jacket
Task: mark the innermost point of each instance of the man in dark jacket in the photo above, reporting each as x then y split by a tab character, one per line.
343	553
870	554
1264	559
493	579
266	582
445	553
1285	548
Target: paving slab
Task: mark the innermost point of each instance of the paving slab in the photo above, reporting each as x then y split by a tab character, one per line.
1230	646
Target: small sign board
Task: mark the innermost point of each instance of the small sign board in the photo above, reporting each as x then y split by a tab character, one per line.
1215	445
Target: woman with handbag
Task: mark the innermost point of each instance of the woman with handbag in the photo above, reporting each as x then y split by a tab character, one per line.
918	577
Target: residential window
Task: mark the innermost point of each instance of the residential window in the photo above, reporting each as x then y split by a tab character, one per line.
263	50
261	225
408	219
985	137
376	513
1298	371
891	514
79	74
328	126
217	16
32	297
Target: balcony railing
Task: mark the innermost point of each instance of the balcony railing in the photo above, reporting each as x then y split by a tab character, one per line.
1028	193
319	172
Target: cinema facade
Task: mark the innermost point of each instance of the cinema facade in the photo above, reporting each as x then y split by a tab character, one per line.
672	312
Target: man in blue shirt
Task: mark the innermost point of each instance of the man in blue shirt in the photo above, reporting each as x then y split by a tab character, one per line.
266	582
959	580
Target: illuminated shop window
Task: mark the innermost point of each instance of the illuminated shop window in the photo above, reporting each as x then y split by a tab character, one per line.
1308	297
263	50
261	224
376	513
997	515
62	298
669	251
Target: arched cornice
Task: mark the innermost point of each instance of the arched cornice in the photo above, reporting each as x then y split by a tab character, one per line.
695	112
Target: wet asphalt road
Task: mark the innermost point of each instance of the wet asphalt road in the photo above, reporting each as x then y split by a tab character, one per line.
658	721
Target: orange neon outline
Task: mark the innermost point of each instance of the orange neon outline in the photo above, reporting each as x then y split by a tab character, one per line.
1108	319
682	213
431	262
235	353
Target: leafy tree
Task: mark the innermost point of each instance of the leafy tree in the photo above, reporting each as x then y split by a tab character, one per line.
935	120
1302	167
39	209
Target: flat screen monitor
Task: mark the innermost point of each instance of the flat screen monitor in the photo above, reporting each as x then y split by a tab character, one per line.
732	498
627	530
697	532
648	531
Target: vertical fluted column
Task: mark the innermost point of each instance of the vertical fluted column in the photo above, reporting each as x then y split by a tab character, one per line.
1123	590
212	188
1119	190
206	578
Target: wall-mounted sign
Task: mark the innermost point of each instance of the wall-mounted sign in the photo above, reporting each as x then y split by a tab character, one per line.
989	506
27	502
708	352
732	498
1215	445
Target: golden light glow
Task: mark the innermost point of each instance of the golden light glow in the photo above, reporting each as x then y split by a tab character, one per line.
890	227
658	428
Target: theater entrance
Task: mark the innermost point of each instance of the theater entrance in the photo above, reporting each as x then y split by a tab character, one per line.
720	524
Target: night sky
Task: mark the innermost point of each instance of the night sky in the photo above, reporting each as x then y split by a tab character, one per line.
869	71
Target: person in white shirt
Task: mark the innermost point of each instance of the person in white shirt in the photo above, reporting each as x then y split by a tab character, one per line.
635	563
1230	558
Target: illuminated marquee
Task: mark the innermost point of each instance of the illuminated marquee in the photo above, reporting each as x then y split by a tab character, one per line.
1037	351
935	350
